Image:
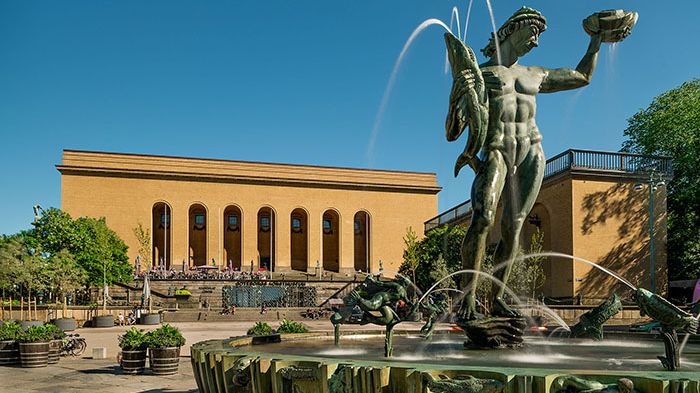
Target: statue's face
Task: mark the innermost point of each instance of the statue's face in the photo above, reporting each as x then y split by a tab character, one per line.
524	39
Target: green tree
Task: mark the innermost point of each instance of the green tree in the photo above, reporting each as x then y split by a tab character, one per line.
89	240
411	256
527	276
65	275
670	126
143	237
11	252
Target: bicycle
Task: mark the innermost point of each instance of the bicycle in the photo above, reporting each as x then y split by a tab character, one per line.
73	345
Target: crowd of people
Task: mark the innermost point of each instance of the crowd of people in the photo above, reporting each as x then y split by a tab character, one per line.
199	274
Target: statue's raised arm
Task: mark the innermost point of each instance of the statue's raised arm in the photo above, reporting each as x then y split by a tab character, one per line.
605	26
468	102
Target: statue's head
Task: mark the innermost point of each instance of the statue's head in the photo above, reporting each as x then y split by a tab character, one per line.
523	28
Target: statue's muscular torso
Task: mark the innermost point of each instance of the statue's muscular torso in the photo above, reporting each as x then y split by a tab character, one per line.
512	129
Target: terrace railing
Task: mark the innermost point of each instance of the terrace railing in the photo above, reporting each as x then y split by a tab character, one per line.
579	160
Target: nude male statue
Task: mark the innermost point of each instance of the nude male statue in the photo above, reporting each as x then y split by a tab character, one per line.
497	100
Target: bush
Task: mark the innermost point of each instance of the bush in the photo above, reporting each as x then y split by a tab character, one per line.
260	329
54	332
34	334
288	326
134	339
165	336
10	331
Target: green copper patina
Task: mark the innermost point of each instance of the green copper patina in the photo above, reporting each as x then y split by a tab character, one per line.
590	324
462	384
497	101
572	384
673	320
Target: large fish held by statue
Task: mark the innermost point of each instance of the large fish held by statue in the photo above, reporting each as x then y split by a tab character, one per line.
468	105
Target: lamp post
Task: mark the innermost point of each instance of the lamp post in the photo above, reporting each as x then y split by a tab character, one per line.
655	180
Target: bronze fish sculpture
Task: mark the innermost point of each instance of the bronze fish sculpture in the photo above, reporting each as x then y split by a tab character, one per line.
468	102
666	313
591	323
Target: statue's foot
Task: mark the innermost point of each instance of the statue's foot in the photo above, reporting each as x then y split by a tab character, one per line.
668	364
494	332
501	309
467	310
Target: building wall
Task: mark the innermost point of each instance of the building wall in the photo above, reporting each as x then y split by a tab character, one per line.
124	188
602	219
611	228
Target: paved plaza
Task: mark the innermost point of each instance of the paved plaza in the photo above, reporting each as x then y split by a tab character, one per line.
87	374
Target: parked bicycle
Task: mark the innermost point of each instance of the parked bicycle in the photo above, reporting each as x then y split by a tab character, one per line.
73	345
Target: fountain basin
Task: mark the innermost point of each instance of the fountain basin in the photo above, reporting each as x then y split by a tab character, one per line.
311	363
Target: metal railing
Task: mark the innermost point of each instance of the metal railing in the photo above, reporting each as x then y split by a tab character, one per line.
581	160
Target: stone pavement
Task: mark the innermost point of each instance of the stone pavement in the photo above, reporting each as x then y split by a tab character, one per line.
87	374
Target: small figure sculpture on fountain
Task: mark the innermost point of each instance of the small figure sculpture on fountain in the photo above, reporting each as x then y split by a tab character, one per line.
496	100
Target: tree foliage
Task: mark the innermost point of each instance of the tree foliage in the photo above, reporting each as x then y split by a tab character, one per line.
88	240
143	236
527	277
439	251
670	126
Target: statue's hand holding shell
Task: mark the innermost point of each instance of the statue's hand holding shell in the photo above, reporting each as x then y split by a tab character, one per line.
612	25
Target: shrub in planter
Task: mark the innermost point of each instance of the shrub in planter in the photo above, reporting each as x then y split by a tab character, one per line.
9	349
260	329
288	326
133	344
164	346
34	347
56	336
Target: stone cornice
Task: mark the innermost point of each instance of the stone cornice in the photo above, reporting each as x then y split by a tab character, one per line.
211	170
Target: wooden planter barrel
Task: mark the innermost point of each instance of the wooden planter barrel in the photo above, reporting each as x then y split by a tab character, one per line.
27	324
9	353
65	324
149	319
34	354
165	361
55	351
103	321
133	362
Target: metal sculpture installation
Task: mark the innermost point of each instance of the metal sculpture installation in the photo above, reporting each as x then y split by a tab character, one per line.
572	384
673	320
390	300
496	100
590	324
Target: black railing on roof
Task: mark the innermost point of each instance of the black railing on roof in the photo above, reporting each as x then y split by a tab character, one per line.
579	160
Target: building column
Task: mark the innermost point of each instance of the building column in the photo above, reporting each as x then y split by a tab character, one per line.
249	226
347	243
283	255
315	242
179	219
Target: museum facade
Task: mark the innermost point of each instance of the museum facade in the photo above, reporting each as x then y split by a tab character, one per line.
250	215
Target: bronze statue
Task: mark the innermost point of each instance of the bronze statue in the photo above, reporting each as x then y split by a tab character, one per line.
497	101
590	324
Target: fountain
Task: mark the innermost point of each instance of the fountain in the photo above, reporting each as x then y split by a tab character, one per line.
491	100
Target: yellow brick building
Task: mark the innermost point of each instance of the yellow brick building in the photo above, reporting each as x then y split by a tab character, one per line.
279	216
595	206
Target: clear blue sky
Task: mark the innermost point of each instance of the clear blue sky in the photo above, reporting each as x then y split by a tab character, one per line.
291	81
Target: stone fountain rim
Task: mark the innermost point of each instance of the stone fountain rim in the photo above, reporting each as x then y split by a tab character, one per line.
234	346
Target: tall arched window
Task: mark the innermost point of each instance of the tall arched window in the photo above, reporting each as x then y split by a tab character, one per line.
162	235
331	240
266	238
233	233
299	235
198	227
361	239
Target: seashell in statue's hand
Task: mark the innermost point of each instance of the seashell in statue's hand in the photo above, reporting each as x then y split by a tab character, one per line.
612	25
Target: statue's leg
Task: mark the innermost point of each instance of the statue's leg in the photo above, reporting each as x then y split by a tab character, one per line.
486	191
520	194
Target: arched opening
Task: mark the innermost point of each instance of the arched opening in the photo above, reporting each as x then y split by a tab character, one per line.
198	235
266	238
162	235
232	237
299	239
361	241
331	240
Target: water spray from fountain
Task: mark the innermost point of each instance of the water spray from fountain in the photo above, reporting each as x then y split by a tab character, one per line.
392	80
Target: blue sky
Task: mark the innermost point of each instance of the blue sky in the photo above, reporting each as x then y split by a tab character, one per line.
296	82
